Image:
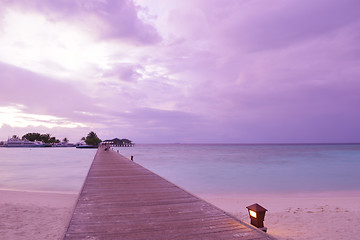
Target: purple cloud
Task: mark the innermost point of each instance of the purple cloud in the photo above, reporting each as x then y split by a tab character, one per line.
42	95
123	72
205	71
110	19
278	25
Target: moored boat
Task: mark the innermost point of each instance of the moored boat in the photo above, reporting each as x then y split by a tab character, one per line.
64	144
15	142
84	145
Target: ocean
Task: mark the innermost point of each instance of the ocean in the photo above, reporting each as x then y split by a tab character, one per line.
198	168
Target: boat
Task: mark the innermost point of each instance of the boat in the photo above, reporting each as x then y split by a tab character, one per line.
15	142
64	144
84	145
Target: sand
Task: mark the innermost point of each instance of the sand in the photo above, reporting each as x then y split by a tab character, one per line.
330	216
44	216
34	215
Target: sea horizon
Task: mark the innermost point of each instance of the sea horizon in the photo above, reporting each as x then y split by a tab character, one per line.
198	168
253	143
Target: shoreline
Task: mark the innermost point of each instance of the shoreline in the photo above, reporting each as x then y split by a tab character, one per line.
41	198
328	215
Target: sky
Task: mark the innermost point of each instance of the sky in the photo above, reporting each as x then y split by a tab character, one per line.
190	71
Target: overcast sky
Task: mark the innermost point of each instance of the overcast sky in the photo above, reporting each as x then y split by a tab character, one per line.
189	71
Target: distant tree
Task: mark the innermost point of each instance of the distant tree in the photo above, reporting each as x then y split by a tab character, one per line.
45	138
32	137
92	139
15	136
53	140
65	140
83	138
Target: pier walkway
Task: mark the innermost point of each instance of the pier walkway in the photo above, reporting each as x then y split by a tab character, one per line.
122	200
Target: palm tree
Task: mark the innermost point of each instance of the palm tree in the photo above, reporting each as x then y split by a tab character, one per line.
15	137
92	139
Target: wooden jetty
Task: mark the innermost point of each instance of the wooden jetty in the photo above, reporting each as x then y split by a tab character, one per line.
122	200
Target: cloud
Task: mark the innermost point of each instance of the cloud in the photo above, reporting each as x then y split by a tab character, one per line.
108	19
32	97
123	72
154	125
193	71
275	71
257	27
41	95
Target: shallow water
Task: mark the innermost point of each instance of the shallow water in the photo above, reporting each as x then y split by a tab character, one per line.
253	168
196	168
44	169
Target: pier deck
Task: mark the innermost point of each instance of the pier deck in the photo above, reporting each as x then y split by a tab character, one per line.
122	200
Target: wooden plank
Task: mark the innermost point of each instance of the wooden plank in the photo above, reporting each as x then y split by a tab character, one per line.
122	200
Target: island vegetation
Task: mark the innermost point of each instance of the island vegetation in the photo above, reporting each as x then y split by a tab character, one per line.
92	139
47	140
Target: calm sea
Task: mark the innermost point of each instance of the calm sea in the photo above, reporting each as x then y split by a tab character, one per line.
197	168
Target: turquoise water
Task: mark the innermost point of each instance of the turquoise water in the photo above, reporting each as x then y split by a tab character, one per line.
196	168
44	169
253	168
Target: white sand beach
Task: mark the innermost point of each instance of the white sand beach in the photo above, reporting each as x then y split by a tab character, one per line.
44	216
330	216
34	215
